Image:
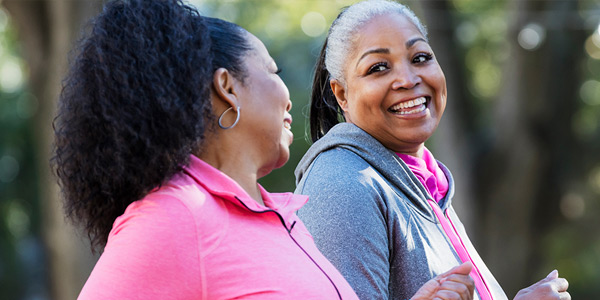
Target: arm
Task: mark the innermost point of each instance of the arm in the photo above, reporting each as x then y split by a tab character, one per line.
151	254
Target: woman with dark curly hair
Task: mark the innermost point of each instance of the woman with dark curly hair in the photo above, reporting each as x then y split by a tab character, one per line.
165	122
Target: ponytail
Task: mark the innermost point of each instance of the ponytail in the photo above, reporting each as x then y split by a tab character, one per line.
324	109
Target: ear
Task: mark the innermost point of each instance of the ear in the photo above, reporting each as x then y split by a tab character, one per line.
225	86
340	93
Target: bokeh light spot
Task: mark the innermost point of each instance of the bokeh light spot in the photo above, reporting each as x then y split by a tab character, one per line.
531	36
466	33
11	76
17	219
590	92
313	24
592	45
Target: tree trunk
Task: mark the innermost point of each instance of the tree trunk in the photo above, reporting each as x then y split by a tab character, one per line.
47	30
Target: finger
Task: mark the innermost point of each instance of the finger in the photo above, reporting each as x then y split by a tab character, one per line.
560	284
553	274
564	296
464	268
449	295
464	280
465	291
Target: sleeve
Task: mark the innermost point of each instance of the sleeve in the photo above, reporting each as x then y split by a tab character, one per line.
346	217
152	253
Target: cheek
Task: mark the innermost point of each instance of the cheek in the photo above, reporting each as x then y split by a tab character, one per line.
438	81
367	98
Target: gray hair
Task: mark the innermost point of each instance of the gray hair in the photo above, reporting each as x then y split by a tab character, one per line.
341	33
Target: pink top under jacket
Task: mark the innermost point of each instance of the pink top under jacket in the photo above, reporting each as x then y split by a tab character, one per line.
429	173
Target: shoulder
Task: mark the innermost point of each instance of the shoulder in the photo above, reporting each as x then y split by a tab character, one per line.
155	236
339	170
336	163
342	188
180	205
150	222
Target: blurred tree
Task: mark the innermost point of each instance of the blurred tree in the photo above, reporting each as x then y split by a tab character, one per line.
532	155
21	252
46	31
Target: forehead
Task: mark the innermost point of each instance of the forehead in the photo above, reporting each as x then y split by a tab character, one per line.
259	50
385	31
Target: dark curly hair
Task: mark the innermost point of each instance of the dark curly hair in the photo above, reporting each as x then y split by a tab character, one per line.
136	103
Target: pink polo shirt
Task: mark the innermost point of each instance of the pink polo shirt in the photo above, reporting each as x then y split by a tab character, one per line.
201	236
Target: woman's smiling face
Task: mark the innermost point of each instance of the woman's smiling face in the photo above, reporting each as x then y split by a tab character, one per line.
265	108
394	88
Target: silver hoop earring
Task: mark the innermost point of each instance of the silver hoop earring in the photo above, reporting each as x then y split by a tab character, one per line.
237	118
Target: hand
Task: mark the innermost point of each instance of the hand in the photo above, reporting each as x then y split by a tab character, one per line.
453	285
550	287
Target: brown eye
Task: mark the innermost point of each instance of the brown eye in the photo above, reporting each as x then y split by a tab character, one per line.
378	67
422	58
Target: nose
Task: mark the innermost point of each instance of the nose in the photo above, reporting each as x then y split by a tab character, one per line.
406	77
289	105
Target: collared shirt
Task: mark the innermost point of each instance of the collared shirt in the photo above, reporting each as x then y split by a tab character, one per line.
201	236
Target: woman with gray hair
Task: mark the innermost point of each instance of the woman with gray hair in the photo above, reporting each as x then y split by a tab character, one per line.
380	204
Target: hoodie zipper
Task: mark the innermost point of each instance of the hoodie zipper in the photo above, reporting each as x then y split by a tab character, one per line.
450	230
289	231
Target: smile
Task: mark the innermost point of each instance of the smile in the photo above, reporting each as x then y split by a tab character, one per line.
287	122
410	107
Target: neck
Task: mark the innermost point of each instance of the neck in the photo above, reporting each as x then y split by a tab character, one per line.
415	152
235	163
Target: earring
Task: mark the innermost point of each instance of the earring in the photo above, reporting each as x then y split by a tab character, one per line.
237	118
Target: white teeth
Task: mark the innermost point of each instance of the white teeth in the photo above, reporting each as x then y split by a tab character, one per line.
287	125
414	111
409	104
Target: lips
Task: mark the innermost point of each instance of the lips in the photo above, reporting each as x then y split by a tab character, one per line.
287	121
408	107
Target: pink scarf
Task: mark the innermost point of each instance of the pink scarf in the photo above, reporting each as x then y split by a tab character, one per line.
428	172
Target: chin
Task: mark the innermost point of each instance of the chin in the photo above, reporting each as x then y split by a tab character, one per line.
283	159
280	163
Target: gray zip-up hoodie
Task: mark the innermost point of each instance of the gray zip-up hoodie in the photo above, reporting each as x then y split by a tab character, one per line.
369	215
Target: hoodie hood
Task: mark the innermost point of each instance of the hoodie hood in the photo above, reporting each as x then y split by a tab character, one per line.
350	137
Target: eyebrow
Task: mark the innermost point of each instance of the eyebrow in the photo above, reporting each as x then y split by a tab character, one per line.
372	51
408	44
411	42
